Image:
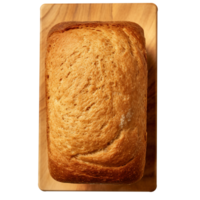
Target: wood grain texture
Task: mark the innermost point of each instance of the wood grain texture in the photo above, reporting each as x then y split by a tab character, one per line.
146	16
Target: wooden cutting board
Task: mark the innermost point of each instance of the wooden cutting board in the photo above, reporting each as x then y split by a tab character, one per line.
146	16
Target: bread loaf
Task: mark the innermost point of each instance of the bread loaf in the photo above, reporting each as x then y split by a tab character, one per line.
96	98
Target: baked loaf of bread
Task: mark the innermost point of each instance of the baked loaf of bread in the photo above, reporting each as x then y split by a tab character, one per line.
96	87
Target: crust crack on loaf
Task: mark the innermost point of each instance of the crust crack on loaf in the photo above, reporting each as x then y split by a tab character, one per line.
96	87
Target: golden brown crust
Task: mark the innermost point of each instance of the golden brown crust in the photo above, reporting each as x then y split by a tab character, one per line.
96	87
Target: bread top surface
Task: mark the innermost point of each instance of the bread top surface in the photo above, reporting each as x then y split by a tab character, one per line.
96	85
